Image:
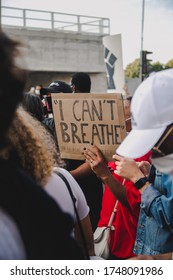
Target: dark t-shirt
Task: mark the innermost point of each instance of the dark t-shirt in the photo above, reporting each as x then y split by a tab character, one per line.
44	228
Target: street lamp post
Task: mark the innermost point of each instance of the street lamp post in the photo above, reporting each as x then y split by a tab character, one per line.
142	38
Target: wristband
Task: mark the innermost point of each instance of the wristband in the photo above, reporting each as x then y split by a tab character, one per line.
140	183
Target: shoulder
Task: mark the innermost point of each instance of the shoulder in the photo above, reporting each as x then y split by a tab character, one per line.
78	193
81	202
66	174
11	243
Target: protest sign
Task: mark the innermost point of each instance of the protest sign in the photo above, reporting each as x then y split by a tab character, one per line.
114	62
85	119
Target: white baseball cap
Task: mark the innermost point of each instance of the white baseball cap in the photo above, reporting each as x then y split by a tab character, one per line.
152	112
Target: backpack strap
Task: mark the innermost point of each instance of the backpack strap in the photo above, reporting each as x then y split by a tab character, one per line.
76	211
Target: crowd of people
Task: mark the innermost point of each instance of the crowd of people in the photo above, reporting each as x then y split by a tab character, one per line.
50	206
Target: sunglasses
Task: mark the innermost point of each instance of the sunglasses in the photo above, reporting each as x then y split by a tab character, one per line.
156	149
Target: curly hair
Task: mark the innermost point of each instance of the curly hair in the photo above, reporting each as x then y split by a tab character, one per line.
31	146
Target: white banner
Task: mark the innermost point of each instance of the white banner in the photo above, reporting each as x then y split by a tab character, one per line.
114	63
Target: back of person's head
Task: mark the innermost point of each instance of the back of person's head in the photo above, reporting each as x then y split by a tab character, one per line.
12	83
81	82
33	105
30	146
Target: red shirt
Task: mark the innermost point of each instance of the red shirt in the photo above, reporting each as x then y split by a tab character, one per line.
125	222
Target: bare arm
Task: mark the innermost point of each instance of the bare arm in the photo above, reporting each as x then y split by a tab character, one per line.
82	171
98	164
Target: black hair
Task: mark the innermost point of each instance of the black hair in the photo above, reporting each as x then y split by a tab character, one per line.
129	98
12	83
33	105
81	81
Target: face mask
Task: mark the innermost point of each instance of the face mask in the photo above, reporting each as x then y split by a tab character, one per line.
37	91
164	164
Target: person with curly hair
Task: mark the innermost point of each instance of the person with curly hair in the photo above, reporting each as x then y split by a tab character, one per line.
32	147
32	225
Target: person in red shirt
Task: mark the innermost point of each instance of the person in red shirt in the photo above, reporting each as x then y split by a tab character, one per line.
125	222
122	239
115	187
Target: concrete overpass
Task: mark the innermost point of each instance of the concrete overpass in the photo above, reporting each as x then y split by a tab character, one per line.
53	53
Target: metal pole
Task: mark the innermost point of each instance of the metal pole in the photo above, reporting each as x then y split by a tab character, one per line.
142	25
142	38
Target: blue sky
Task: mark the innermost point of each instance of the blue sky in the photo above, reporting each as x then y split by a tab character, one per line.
125	18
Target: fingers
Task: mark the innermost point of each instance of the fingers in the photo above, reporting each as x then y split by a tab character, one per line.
89	159
90	155
141	164
144	167
126	167
93	153
117	157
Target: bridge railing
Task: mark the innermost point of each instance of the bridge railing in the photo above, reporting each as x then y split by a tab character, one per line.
37	19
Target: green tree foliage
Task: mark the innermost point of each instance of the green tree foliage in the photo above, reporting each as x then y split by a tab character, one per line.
133	69
156	66
169	64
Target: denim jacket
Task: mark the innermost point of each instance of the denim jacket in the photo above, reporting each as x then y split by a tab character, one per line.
155	225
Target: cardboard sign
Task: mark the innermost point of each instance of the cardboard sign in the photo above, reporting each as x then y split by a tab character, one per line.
85	119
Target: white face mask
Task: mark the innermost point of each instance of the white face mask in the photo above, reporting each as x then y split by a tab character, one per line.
164	164
37	91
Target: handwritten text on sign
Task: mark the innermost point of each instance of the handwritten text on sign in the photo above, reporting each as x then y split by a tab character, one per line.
83	119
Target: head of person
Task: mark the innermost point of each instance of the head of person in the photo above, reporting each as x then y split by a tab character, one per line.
12	83
33	104
54	87
30	146
81	82
127	113
37	89
152	121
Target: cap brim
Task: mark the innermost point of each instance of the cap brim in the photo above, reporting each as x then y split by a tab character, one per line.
139	142
48	90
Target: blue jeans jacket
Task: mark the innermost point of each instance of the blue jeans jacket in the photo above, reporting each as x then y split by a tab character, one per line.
155	225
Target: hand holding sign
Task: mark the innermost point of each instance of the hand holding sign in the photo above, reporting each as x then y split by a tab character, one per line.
97	162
